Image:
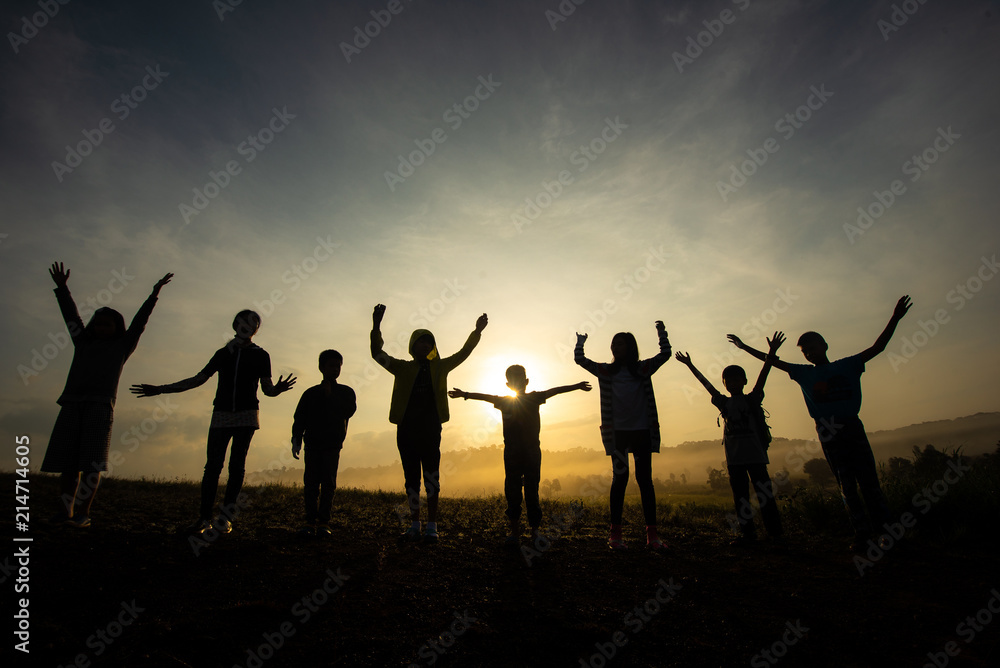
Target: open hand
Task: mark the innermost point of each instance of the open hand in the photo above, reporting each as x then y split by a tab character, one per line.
284	384
683	358
902	306
735	340
585	386
456	393
144	390
58	274
775	342
160	283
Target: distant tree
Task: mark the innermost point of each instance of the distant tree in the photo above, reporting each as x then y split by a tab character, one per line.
673	478
819	472
899	467
556	486
684	479
718	479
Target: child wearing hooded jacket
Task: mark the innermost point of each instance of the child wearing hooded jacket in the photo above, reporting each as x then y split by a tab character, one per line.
418	407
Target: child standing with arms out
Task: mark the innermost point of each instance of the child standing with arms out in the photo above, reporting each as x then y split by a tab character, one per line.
745	440
321	421
81	437
832	391
629	423
522	453
418	407
241	365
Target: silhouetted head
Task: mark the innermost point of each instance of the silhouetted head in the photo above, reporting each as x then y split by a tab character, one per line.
245	324
734	378
517	378
624	349
106	324
422	345
813	348
330	363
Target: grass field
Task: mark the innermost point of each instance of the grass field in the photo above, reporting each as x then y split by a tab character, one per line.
134	590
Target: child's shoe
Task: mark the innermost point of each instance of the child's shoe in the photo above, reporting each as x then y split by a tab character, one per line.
411	535
323	530
79	521
615	541
653	540
199	526
222	525
430	533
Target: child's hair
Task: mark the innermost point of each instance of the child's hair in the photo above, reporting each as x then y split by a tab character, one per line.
810	337
515	371
328	355
242	322
630	357
734	370
105	312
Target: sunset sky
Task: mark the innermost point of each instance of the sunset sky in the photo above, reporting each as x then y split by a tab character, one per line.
592	171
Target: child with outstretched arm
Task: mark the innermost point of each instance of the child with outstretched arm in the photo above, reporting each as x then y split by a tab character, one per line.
81	437
418	407
522	454
832	391
745	439
242	365
321	422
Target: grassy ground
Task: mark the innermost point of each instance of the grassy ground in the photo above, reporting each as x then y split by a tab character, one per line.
263	597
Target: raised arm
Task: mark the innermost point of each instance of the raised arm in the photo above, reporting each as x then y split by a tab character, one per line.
776	363
902	306
453	361
772	347
685	359
581	359
67	306
658	360
384	359
138	324
562	389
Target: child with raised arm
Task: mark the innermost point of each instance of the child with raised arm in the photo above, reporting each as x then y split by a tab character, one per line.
81	437
832	391
522	453
629	423
241	365
321	421
745	439
418	407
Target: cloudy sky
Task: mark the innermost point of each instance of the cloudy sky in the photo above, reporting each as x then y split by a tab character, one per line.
562	168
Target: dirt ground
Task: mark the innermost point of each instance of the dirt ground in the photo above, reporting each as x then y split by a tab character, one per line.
134	590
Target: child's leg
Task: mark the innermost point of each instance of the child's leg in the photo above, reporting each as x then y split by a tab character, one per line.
513	472
619	479
68	483
431	463
328	483
837	452
644	477
765	498
739	483
218	442
89	482
237	469
409	457
532	477
310	482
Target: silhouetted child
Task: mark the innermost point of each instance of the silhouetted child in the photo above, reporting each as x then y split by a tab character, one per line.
522	453
629	423
81	437
745	439
241	365
418	407
321	421
832	391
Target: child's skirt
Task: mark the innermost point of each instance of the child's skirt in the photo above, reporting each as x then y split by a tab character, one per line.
81	438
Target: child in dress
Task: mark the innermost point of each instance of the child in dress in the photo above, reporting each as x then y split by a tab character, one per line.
81	438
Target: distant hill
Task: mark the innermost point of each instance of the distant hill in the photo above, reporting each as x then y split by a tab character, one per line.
584	472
